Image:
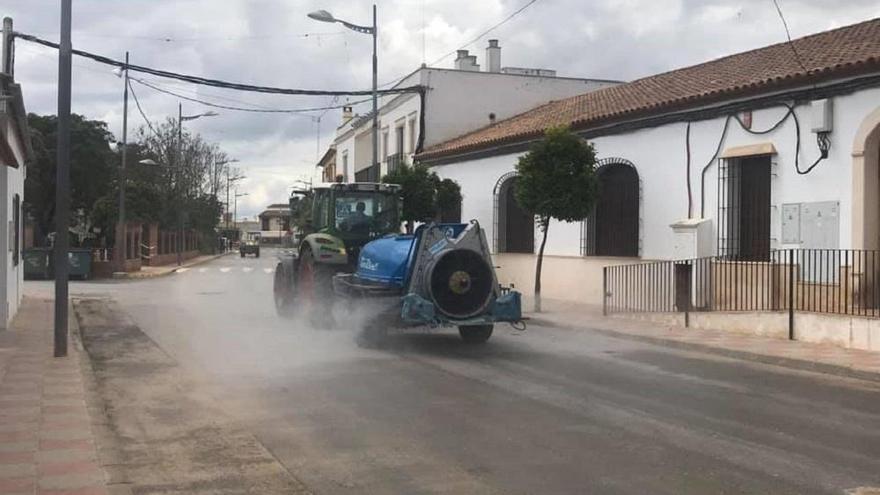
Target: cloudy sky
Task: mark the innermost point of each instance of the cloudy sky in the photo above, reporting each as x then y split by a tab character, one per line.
272	42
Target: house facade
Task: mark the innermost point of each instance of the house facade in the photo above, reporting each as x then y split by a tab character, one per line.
732	148
15	151
274	223
455	100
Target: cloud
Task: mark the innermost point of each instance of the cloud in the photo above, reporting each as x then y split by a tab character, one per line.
274	43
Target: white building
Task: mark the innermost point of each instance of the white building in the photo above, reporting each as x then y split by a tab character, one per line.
456	101
690	143
15	151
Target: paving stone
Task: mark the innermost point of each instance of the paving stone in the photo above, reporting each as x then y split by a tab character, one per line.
17	470
12	486
71	481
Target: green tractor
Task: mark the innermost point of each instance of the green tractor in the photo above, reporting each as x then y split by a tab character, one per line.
334	222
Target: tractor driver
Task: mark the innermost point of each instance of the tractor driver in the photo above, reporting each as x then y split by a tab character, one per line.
358	220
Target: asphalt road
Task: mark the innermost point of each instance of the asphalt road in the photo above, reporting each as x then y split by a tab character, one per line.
542	411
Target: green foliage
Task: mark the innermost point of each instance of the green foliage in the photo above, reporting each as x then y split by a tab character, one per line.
425	196
93	166
556	178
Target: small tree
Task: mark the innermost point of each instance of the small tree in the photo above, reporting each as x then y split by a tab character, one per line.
556	179
425	196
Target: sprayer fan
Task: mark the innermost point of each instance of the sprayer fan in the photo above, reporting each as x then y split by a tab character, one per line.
460	283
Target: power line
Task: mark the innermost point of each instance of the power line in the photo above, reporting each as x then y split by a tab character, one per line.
216	82
239	109
141	110
474	40
797	56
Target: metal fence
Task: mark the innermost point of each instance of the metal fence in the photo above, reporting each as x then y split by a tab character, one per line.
837	281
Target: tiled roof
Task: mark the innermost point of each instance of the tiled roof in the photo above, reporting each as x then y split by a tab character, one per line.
831	54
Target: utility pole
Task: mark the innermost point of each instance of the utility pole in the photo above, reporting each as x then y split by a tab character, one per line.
179	157
375	99
121	233
62	182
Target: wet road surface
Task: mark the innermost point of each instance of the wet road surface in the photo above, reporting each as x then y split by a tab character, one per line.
541	411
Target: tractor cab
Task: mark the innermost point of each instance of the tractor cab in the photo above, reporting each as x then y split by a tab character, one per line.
352	213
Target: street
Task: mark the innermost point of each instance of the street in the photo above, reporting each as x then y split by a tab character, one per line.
540	411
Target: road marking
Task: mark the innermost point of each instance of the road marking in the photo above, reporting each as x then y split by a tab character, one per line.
246	269
181	270
268	270
202	270
224	270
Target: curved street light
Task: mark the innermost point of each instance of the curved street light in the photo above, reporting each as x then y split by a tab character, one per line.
324	16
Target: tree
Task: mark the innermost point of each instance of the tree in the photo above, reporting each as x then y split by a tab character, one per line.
93	166
425	196
556	179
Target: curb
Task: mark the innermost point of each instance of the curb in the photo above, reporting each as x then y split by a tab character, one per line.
145	275
785	362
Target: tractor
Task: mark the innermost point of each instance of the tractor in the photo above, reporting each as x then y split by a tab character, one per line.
352	251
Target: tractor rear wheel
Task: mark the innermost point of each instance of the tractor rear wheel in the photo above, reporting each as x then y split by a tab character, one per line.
476	334
283	292
315	289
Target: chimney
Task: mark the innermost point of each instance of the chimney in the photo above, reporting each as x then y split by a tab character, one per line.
493	57
461	57
347	115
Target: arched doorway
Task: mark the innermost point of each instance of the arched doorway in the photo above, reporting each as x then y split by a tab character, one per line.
514	227
866	184
613	227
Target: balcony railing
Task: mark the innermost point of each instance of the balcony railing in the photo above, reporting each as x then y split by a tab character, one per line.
395	161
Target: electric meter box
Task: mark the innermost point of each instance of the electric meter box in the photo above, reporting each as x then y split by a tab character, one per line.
692	238
821	111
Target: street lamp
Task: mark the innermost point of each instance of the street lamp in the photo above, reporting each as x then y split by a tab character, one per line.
324	16
181	118
235	211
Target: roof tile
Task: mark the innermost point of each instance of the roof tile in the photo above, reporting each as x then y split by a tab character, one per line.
825	55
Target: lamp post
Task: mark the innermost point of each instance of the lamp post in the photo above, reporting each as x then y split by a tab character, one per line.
235	211
121	237
181	118
324	16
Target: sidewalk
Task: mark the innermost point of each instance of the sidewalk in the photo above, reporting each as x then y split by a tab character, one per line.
160	271
47	445
821	358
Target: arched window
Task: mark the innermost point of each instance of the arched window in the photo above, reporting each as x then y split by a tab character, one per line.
514	227
612	229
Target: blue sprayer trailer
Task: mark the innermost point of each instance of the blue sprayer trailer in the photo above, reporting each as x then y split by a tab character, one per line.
441	275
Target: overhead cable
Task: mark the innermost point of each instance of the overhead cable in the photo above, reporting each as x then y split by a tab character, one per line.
217	83
243	109
473	40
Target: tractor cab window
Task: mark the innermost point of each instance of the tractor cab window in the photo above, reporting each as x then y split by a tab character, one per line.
366	212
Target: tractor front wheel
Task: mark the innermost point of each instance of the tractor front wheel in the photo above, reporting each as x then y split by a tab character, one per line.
283	292
476	334
315	289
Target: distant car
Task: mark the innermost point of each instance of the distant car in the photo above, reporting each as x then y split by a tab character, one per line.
250	246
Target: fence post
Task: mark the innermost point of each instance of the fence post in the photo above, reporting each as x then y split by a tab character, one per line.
791	294
687	304
604	291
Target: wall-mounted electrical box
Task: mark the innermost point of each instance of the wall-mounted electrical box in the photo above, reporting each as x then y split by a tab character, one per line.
693	238
821	115
813	225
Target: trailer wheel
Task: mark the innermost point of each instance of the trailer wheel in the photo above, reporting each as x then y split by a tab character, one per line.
282	292
475	334
315	289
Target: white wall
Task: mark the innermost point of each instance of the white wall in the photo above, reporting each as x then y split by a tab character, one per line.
457	102
461	101
660	159
12	275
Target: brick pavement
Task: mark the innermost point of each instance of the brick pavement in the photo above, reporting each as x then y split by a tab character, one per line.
47	445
